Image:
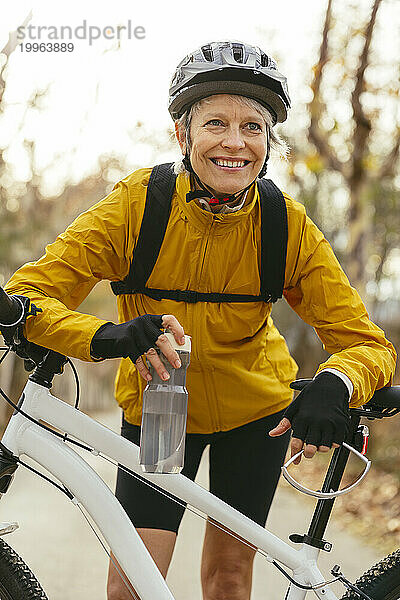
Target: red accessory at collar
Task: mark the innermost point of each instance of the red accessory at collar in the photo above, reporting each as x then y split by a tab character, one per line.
220	200
209	197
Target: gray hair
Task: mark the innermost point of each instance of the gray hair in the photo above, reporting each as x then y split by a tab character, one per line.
185	121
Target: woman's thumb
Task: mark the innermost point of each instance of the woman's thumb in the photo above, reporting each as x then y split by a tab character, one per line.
281	428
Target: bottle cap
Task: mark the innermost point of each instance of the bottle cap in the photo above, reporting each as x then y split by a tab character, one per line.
186	347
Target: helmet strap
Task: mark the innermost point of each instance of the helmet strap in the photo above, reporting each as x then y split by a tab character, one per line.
203	192
265	165
187	164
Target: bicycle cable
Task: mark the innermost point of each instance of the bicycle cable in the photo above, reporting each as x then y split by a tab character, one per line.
7	351
114	562
43	476
78	390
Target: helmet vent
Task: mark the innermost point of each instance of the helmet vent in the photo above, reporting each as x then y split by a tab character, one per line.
207	53
268	62
238	52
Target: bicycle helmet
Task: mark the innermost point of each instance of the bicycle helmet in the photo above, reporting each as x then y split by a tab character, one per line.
229	68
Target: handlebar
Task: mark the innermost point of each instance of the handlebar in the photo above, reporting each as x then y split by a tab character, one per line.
13	313
11	309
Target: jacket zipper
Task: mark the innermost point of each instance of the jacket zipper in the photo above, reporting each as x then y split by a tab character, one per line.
205	249
200	273
214	418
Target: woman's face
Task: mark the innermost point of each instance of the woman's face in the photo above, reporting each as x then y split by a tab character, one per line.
229	144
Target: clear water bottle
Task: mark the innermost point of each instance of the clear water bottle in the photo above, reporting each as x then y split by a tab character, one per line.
162	440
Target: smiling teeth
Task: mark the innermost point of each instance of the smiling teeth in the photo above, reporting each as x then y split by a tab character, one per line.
229	163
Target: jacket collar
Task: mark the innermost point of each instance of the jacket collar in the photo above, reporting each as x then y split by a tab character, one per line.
201	218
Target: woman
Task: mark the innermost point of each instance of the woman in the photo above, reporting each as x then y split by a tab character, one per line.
225	99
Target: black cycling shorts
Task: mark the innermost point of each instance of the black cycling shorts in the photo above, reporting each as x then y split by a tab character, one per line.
245	466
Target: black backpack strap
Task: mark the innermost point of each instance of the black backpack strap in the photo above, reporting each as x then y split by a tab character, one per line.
274	238
159	194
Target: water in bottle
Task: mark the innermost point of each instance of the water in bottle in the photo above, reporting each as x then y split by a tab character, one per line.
162	441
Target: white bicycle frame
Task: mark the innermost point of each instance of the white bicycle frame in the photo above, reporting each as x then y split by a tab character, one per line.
23	437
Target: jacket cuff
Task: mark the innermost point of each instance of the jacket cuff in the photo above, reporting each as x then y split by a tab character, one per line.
348	383
93	354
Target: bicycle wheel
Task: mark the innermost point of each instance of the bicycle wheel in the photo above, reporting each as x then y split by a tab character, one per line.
382	581
17	582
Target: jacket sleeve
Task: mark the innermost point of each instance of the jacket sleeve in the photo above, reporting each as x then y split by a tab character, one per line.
94	247
320	293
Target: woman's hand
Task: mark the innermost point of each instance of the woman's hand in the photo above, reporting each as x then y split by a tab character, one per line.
139	337
318	416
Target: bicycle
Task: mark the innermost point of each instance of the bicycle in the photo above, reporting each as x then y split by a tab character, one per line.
41	428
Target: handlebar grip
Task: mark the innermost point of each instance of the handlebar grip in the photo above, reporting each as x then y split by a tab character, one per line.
11	309
387	397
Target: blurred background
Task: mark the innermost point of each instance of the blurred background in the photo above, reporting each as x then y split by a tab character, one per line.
72	123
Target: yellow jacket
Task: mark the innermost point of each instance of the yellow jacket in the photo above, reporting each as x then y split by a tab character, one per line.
240	366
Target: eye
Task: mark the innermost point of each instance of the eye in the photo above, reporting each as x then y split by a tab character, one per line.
215	123
254	126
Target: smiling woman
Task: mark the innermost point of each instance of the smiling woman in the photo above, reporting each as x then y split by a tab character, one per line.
224	238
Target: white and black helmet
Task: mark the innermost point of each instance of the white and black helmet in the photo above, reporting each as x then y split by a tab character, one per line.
229	68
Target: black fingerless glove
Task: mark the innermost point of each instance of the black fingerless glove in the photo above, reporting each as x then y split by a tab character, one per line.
319	415
132	338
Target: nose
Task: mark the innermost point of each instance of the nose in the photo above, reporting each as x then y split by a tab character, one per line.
233	139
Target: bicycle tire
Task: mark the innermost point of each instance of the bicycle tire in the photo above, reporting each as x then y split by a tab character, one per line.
381	582
17	582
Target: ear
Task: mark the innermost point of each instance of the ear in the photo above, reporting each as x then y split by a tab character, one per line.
180	136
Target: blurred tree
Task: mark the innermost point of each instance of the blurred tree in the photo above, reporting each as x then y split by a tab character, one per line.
346	168
8	221
30	218
366	172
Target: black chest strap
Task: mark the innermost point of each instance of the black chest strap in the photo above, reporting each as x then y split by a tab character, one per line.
274	235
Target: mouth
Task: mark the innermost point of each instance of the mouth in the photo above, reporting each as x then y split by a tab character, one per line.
230	164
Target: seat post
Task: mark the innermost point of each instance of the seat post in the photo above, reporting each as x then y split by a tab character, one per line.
332	481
